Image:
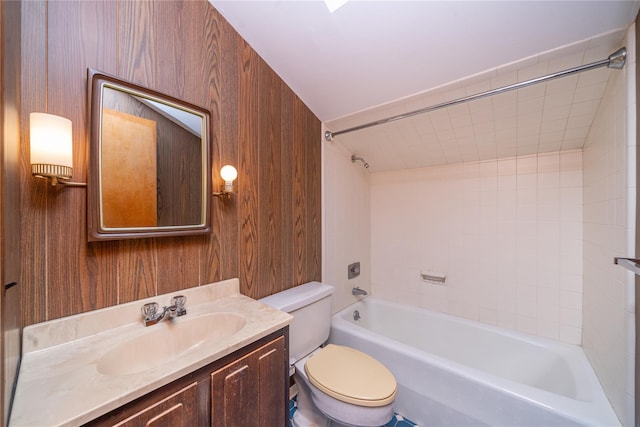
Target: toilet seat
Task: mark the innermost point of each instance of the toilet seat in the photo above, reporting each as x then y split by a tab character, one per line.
351	376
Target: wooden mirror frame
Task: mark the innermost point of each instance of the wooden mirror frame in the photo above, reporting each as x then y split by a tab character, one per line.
97	231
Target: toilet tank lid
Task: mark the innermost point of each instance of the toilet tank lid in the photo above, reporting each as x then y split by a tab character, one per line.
297	297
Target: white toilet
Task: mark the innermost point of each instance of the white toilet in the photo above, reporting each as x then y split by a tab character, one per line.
337	385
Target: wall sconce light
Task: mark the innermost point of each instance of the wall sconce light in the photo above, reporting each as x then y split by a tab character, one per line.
52	149
228	173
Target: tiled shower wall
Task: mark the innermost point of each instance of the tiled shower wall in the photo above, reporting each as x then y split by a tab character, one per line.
507	233
609	231
524	242
345	228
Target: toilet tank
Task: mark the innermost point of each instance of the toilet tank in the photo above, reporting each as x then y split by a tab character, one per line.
310	306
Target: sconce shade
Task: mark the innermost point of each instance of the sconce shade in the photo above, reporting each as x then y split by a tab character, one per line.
51	146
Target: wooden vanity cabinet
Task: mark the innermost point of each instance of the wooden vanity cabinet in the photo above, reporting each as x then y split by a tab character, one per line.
178	409
246	388
245	392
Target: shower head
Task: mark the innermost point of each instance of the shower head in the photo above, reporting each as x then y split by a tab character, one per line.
360	159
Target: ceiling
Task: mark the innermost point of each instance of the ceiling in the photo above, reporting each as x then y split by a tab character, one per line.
373	59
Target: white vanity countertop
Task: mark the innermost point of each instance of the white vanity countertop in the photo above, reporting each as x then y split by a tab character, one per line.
59	383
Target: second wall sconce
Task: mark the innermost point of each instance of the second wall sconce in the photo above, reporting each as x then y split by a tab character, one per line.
228	173
51	144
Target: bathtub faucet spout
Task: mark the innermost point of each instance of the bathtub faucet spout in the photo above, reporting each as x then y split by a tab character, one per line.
357	291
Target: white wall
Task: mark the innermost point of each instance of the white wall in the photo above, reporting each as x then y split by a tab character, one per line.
609	231
346	223
508	234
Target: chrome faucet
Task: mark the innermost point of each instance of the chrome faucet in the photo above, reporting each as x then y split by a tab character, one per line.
176	309
357	291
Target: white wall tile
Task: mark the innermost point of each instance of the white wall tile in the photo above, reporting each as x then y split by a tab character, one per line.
608	231
570	334
505	218
507	182
548	163
582	108
570	299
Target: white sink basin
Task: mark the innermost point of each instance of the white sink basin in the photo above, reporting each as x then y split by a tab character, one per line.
167	341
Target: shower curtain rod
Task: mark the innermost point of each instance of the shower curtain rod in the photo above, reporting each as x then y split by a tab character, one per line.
615	60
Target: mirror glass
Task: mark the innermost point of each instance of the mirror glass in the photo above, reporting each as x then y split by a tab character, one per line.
149	163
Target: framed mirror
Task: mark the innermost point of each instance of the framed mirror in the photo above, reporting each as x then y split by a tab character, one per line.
149	172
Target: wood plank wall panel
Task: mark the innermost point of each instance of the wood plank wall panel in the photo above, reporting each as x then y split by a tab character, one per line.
269	244
137	42
100	36
77	36
226	213
136	268
136	48
286	177
33	199
312	141
249	166
210	268
268	234
299	192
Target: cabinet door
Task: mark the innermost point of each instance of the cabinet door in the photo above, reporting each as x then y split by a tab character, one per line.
177	410
251	390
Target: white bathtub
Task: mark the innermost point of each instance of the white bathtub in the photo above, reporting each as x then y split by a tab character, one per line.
455	372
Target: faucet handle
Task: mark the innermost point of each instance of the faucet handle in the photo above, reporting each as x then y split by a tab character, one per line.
149	310
178	303
178	300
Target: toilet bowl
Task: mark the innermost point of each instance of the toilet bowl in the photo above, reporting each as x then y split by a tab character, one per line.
348	386
337	385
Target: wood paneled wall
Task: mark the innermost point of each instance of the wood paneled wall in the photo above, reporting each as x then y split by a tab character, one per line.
268	234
